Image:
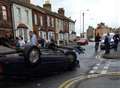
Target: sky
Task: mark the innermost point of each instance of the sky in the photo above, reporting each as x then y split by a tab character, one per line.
95	11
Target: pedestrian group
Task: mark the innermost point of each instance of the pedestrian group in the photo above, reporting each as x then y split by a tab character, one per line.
107	41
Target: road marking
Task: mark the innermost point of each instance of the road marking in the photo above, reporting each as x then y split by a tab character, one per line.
94	69
82	78
72	81
105	68
98	64
103	72
69	82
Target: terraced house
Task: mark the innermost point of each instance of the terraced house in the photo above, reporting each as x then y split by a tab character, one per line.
24	16
5	18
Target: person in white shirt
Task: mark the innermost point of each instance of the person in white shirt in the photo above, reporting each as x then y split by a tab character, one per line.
21	41
33	39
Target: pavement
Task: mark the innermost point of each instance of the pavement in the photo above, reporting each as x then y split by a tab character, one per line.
113	54
4	49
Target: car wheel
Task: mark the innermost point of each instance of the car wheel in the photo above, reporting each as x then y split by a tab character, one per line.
71	60
32	55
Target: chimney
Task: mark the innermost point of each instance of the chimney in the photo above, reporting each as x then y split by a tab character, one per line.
61	11
47	5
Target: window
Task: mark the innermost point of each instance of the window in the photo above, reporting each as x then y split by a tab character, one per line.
20	32
52	22
25	35
4	12
35	19
27	16
41	20
61	24
48	20
19	14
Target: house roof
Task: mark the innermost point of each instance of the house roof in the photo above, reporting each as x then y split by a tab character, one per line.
28	5
42	10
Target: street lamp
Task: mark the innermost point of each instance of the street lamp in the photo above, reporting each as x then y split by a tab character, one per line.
83	21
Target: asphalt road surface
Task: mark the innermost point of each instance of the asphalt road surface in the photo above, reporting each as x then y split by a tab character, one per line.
100	82
109	69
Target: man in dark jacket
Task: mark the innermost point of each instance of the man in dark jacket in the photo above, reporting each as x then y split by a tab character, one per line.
116	41
107	43
97	40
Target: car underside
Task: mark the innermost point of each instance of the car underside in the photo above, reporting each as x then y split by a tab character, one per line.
33	60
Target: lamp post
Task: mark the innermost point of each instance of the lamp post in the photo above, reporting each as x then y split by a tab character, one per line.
83	24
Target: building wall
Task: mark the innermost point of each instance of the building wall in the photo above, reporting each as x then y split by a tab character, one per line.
50	26
26	1
5	24
20	16
39	23
90	33
102	31
54	25
71	29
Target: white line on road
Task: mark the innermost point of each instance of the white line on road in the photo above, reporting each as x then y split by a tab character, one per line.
104	71
94	69
98	64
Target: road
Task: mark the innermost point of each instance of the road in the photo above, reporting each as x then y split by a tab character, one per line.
88	61
103	74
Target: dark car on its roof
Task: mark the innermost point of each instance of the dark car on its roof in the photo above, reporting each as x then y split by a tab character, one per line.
33	60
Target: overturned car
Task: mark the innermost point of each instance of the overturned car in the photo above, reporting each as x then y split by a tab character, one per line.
33	60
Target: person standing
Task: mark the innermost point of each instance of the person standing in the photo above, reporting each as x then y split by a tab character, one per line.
41	41
97	40
116	41
21	42
33	39
52	44
107	43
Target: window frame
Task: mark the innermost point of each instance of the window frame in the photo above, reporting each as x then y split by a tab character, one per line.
35	19
4	12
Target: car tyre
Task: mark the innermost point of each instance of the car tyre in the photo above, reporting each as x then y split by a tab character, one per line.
32	55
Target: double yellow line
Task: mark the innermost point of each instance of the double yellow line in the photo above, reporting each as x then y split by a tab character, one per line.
70	82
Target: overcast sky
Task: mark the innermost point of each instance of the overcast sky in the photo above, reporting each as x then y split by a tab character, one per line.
96	11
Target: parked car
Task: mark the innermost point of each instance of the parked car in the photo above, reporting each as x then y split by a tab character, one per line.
102	45
82	41
33	60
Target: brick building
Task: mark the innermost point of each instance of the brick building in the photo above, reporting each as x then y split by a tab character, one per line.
24	16
5	18
90	32
25	1
102	29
